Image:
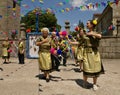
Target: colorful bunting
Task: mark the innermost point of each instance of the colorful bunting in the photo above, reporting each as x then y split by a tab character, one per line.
53	10
41	1
33	0
0	16
116	2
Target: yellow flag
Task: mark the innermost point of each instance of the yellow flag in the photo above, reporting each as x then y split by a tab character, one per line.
33	0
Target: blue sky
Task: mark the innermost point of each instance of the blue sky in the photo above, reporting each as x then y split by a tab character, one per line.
73	15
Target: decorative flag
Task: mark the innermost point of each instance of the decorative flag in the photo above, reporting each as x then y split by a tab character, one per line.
33	0
103	4
67	1
41	1
116	2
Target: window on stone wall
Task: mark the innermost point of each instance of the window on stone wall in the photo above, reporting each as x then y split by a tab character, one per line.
14	3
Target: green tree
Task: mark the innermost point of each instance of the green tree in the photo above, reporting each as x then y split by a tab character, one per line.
45	19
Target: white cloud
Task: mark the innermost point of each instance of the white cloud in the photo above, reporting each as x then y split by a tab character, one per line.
78	3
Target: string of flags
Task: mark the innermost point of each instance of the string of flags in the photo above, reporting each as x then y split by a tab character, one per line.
89	6
54	10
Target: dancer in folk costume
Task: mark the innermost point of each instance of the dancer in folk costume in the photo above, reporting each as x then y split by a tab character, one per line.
55	57
64	47
44	43
74	48
92	65
21	51
5	50
80	48
77	29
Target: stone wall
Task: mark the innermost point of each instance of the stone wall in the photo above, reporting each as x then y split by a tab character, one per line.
10	19
110	47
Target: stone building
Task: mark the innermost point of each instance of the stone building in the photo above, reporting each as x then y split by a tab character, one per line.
110	42
67	26
110	16
9	20
9	17
96	15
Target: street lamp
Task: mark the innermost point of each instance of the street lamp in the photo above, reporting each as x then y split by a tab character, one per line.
37	22
37	11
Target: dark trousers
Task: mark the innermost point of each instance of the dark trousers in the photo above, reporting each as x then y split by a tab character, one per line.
55	62
64	54
21	58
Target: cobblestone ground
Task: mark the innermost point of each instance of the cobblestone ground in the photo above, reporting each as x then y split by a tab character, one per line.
22	79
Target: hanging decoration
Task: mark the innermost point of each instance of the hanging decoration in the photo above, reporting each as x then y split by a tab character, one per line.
116	1
0	16
33	0
28	30
111	27
77	28
88	6
53	10
41	1
14	34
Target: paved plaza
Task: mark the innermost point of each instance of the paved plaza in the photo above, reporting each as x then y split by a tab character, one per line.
23	79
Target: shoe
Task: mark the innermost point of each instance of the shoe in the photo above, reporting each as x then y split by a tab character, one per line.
95	87
5	63
80	70
58	70
47	79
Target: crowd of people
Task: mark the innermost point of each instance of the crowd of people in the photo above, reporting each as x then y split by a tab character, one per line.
53	50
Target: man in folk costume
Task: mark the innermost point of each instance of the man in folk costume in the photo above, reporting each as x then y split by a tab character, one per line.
55	57
21	50
44	43
64	47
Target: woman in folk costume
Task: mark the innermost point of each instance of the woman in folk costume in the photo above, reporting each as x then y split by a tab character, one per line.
77	29
92	66
44	43
80	48
5	52
21	51
74	48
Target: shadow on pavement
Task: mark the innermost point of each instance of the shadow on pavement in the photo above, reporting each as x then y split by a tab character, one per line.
80	82
52	78
40	76
55	78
